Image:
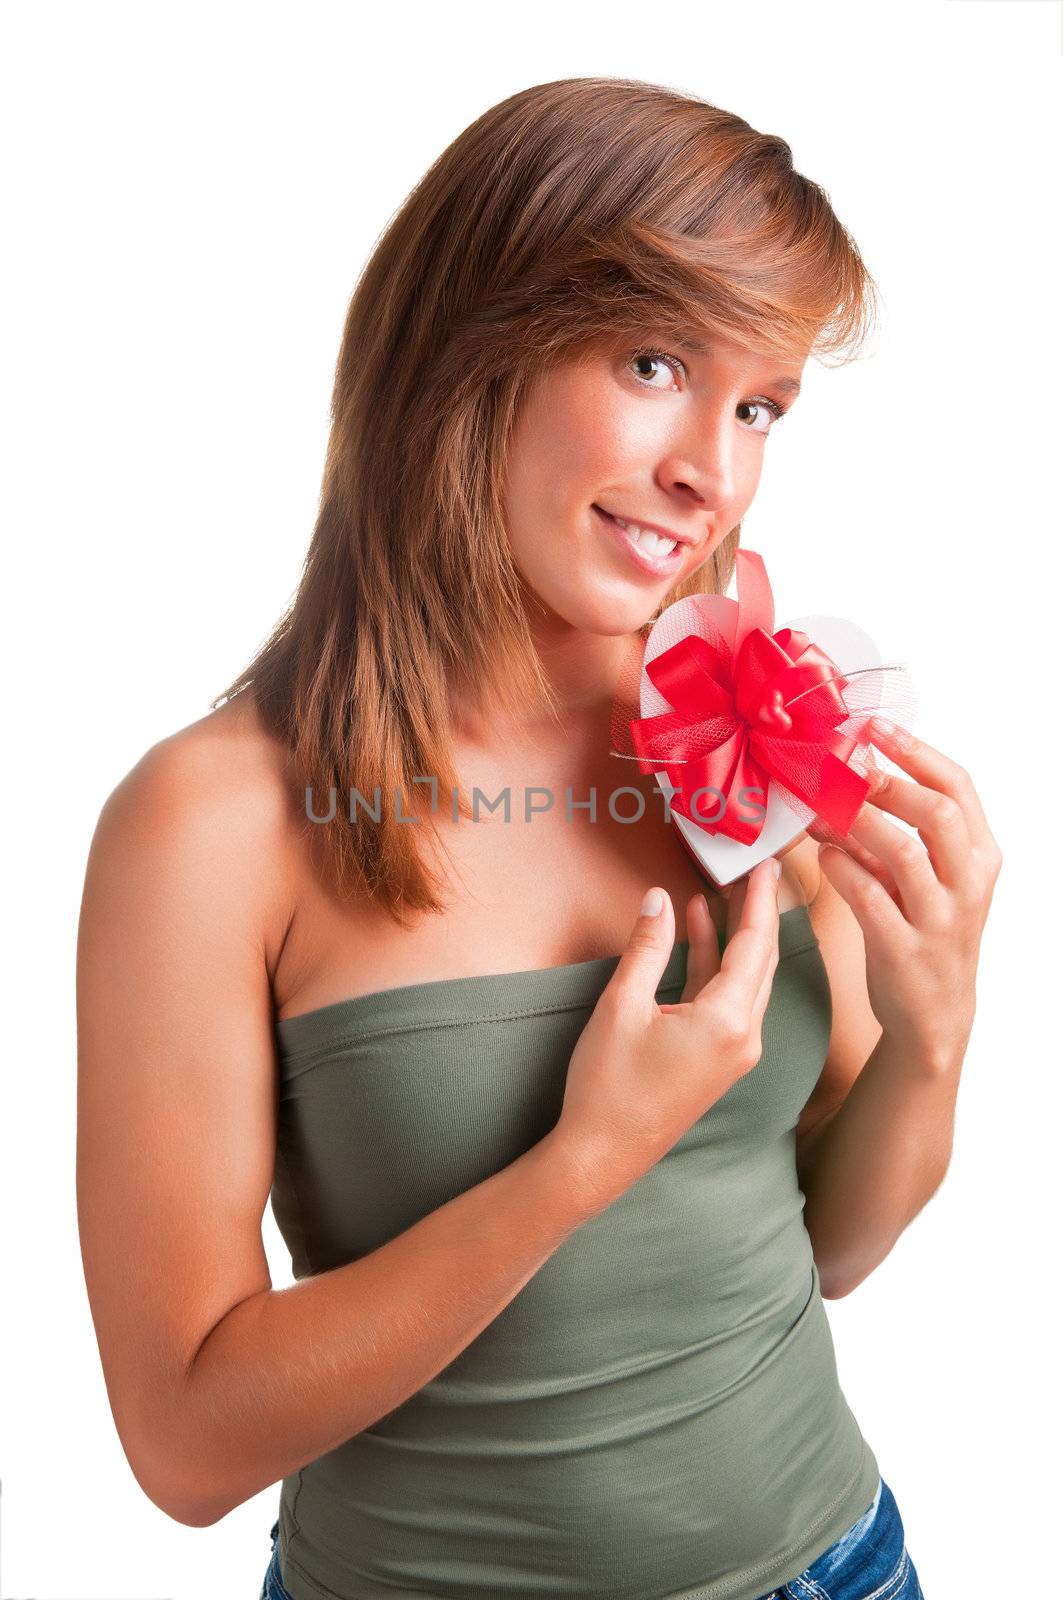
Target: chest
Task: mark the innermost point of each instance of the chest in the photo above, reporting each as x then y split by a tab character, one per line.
394	1102
549	870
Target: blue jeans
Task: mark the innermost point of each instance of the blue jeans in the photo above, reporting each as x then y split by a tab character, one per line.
272	1587
868	1562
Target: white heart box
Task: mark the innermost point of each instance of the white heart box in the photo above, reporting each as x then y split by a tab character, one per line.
723	858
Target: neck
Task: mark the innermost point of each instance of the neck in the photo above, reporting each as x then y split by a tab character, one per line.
585	672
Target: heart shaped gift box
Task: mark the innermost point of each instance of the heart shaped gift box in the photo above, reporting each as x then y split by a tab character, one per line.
751	732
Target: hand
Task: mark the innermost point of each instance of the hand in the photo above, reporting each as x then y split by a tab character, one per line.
922	911
642	1074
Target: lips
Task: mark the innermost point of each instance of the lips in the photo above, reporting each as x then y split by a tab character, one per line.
653	566
648	527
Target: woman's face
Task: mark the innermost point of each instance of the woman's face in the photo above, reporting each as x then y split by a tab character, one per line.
671	437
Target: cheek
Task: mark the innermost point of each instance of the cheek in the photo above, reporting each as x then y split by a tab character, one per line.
560	450
750	465
590	444
601	433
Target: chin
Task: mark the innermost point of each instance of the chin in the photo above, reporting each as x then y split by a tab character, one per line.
593	610
613	619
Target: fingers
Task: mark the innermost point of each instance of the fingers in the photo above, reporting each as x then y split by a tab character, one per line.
942	802
753	945
763	997
703	956
859	853
735	901
899	861
644	958
881	919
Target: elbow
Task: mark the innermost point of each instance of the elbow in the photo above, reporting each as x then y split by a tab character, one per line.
171	1450
178	1487
180	1499
836	1288
832	1285
840	1278
189	1505
186	1503
195	1516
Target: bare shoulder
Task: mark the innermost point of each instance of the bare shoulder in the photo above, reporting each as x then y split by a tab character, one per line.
226	760
210	802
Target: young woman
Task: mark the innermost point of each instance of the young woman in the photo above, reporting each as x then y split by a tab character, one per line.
565	1169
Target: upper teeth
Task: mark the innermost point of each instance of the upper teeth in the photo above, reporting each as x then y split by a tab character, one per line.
651	542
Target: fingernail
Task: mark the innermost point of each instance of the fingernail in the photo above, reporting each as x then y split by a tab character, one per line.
776	867
652	904
883	726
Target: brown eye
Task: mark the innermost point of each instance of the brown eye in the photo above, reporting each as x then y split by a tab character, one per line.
659	358
760	414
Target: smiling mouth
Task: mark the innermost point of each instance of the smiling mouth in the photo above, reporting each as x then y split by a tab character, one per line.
654	544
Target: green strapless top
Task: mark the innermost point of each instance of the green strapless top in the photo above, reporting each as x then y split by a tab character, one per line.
657	1412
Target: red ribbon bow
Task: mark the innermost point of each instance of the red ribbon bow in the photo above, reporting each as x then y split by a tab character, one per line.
766	709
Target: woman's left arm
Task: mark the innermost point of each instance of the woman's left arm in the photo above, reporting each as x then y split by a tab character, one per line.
875	1140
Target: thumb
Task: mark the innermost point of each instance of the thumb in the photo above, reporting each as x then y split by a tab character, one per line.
649	947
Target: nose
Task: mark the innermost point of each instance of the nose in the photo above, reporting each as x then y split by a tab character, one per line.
702	461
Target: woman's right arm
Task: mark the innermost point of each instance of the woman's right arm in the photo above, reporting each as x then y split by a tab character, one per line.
219	1384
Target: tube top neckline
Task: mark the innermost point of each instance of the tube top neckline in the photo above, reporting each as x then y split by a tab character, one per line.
492	996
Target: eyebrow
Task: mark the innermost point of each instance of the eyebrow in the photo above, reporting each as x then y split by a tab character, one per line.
696	347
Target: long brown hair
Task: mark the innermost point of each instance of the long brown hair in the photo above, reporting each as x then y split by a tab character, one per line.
568	216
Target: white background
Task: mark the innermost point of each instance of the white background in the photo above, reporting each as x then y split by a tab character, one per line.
189	194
